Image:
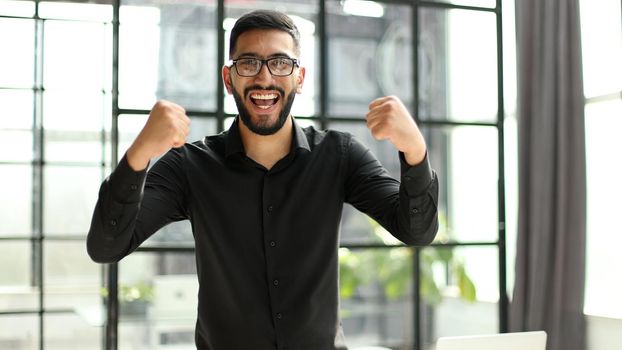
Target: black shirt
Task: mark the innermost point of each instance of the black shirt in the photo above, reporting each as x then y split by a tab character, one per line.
266	240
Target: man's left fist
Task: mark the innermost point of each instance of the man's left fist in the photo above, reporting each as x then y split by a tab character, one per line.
388	119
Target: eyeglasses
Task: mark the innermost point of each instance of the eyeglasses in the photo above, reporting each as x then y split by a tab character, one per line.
278	66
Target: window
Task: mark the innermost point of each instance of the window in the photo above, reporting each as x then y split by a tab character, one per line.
601	30
65	130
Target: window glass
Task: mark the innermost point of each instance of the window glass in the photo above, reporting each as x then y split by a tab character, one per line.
17	58
168	51
73	11
369	55
460	292
71	279
376	297
303	13
157	300
17	109
466	161
19	332
603	122
71	331
450	41
478	3
16	205
73	123
69	196
75	55
16	145
602	47
17	8
16	289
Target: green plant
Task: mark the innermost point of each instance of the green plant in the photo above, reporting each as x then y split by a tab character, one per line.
393	270
137	292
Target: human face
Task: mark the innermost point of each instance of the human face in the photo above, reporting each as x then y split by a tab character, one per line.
264	101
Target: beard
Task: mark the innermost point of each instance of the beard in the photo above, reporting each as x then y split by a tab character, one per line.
261	127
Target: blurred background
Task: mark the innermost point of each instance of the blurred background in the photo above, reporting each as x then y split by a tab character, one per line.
77	81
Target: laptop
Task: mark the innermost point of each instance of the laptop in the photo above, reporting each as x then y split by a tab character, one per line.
504	341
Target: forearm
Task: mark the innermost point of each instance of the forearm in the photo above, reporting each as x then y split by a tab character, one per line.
111	235
418	213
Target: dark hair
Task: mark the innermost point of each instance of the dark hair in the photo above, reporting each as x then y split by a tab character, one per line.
264	19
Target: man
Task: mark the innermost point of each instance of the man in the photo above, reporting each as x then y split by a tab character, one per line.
264	198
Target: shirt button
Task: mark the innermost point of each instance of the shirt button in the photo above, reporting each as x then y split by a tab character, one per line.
279	316
275	282
272	243
414	211
113	222
133	187
270	209
407	178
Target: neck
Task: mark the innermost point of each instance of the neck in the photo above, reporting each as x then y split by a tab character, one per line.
269	149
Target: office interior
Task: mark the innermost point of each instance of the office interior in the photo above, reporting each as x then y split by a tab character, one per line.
77	81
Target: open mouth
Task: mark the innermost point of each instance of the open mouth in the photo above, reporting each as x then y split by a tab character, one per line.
264	100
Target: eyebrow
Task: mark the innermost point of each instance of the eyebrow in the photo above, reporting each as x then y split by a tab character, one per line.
255	55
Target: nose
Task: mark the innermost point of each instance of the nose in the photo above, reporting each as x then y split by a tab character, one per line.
264	73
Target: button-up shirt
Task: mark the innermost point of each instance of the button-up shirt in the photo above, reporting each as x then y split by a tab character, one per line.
266	240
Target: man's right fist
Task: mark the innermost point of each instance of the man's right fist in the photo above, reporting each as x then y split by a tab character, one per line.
167	127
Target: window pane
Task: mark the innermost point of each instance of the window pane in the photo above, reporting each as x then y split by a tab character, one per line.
16	145
75	55
603	122
19	332
17	8
168	51
466	162
304	15
451	40
16	289
602	47
17	59
81	12
17	109
368	57
71	279
71	331
16	210
478	3
376	297
73	123
158	300
69	196
460	292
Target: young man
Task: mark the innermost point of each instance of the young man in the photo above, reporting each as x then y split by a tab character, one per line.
264	198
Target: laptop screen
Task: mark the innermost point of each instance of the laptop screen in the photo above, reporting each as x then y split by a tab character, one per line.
505	341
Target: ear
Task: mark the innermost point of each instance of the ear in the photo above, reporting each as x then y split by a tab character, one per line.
300	79
226	78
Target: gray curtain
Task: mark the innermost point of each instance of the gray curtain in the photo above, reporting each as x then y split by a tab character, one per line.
550	260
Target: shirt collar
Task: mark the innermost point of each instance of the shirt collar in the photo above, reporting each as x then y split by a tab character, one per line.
233	143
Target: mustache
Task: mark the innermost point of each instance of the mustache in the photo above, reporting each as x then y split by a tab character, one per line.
258	87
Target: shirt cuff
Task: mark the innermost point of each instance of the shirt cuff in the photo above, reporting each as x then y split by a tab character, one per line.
126	185
416	179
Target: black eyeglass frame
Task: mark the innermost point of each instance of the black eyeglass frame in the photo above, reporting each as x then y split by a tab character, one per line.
295	63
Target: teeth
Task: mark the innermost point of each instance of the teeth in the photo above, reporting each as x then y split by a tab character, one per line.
264	107
264	97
